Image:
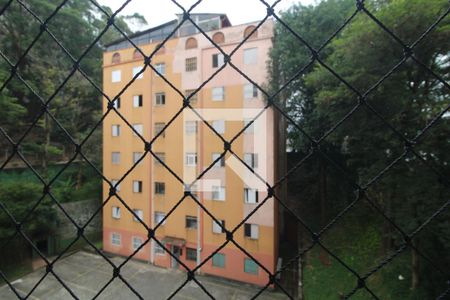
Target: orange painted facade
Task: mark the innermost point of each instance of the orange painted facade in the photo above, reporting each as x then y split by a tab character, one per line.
159	191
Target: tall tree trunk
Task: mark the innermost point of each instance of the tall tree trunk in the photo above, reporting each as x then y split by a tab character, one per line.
414	266
300	265
47	141
324	257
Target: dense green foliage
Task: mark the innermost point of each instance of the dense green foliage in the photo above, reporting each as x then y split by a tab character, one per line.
363	145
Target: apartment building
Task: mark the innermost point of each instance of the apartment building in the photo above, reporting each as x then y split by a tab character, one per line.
229	190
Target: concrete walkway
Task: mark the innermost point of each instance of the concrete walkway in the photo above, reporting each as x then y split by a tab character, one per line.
85	274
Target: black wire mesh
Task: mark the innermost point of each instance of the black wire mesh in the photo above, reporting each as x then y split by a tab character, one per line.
185	104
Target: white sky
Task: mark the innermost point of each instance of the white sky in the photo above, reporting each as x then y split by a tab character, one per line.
157	12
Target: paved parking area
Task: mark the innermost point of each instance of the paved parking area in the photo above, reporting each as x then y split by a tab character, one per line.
87	273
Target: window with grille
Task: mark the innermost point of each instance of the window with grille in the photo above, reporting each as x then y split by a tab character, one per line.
216	228
251	231
250	196
116	76
115	158
136	156
160	68
250	91
218	193
116	239
251	159
160	99
217	60
220	162
115	130
137	101
218	260
191	64
218	93
219	126
137	186
159	216
160	188
158	128
139	128
114	183
194	97
139	215
158	250
137	242
191	159
250	266
136	71
116	212
191	254
116	103
250	56
161	156
191	222
190	127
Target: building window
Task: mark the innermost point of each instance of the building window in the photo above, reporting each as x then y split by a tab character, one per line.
138	129
137	242
193	98
251	159
251	231
251	127
115	185
159	216
217	228
218	260
161	156
115	130
248	31
137	70
191	43
250	196
219	126
218	38
160	99
137	186
115	58
137	101
191	159
116	103
115	158
220	162
218	193
250	91
136	156
158	250
217	60
137	54
218	93
160	68
158	128
191	64
191	222
139	215
115	239
190	127
250	56
160	188
116	212
116	76
191	254
250	266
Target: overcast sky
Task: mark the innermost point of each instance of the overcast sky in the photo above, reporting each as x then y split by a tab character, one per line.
239	11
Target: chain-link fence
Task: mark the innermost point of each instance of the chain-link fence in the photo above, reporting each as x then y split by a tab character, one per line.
274	191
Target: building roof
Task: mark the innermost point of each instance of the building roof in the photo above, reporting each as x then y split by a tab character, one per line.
160	32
